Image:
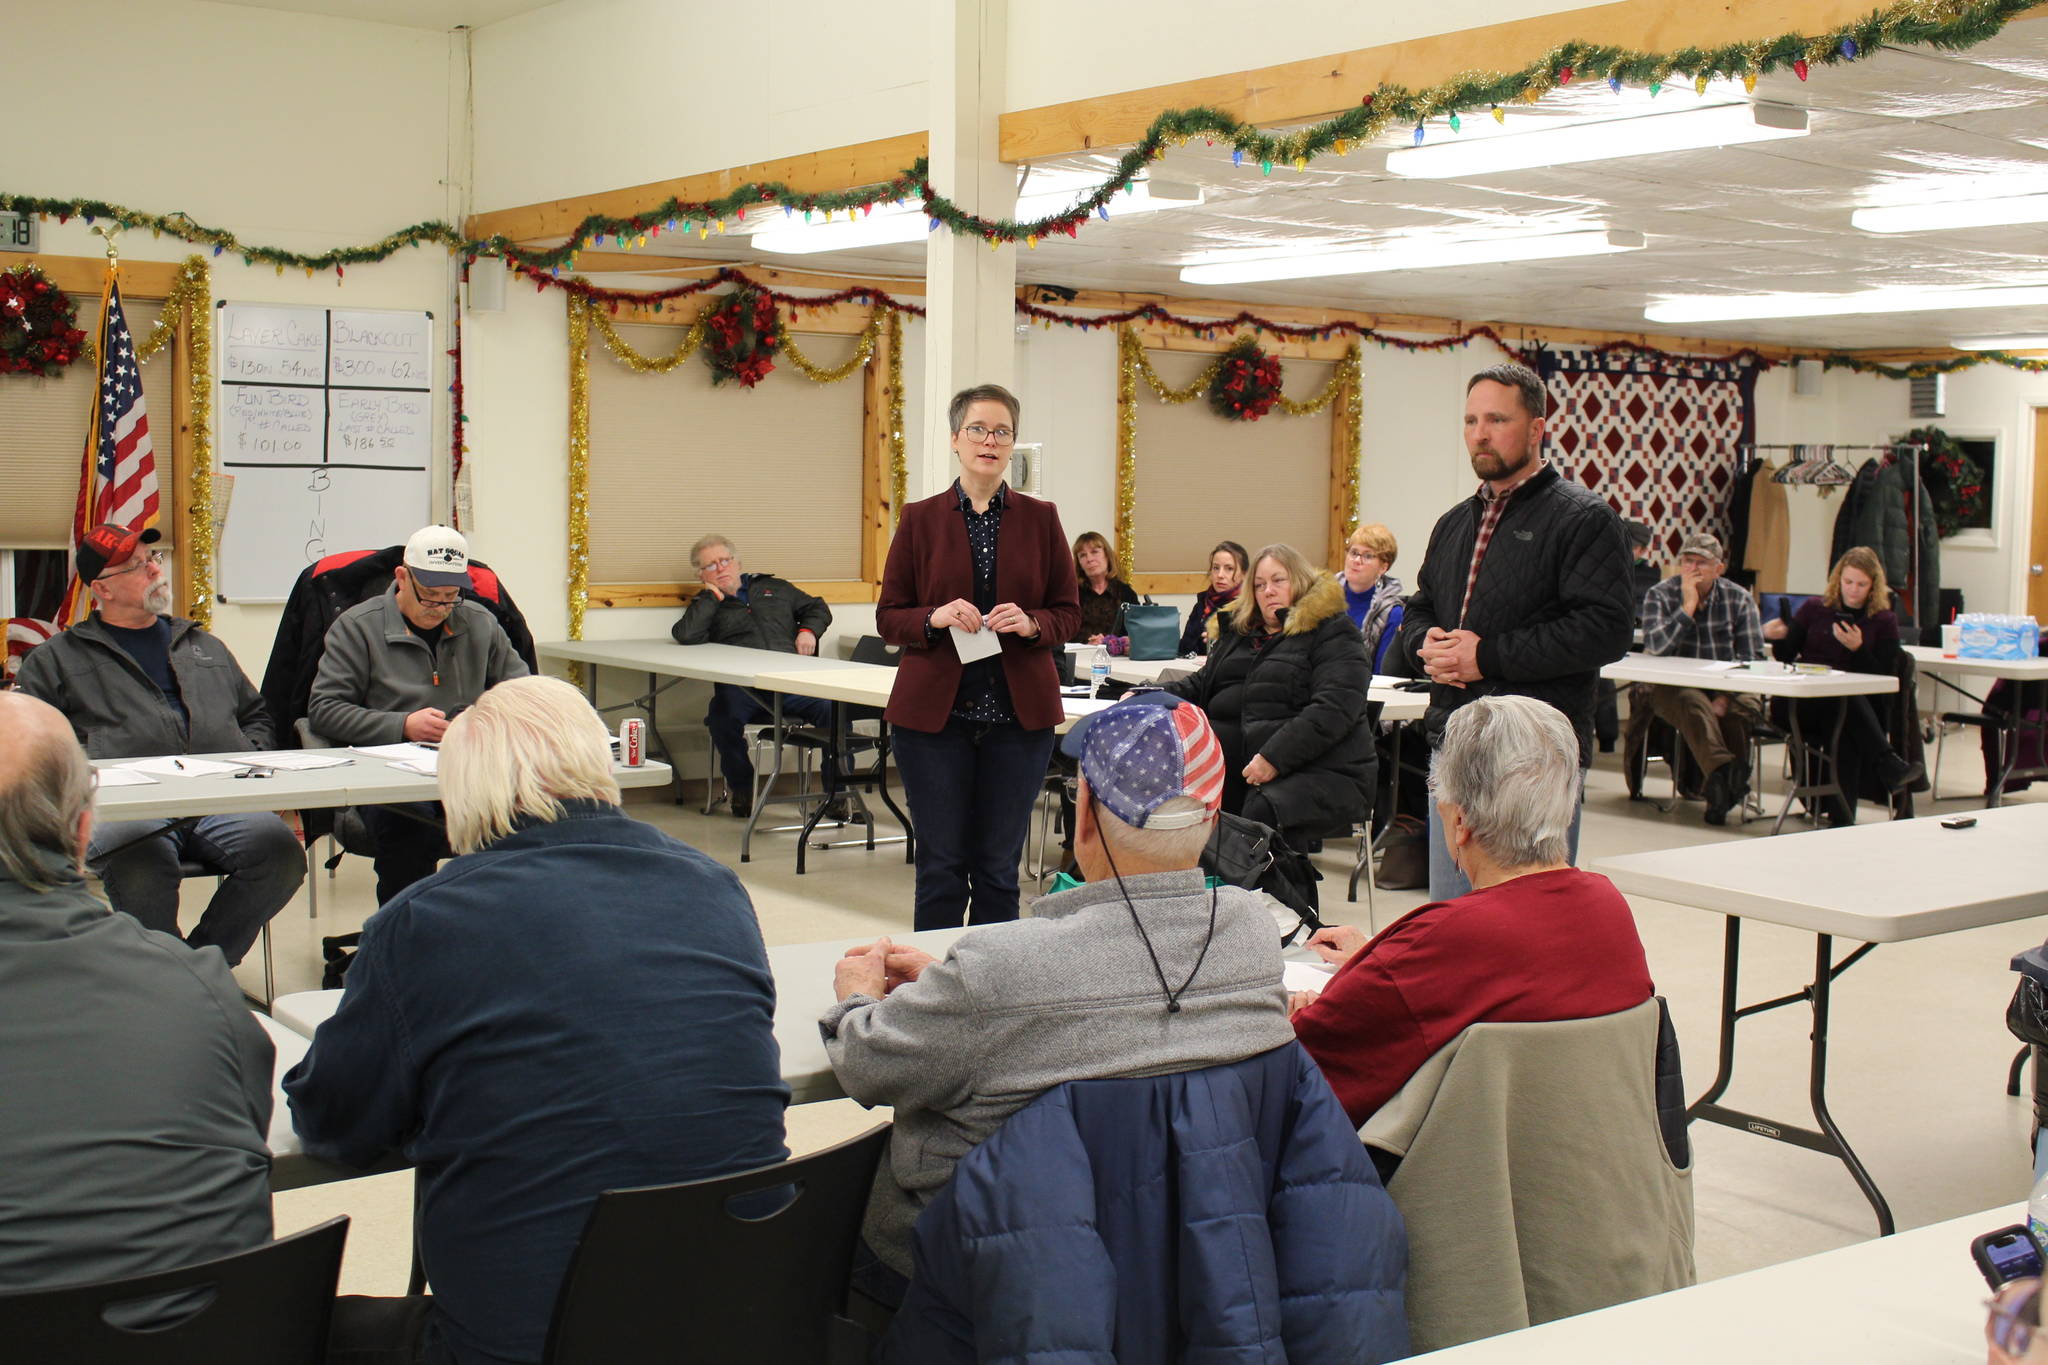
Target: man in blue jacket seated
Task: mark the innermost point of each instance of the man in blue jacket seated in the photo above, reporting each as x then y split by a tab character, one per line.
576	1003
1141	971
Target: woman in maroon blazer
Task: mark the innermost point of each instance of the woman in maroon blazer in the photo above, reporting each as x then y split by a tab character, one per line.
973	740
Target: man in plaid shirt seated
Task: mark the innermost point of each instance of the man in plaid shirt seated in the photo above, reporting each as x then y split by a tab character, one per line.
1699	615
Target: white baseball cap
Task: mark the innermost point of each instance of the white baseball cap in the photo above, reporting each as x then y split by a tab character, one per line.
438	556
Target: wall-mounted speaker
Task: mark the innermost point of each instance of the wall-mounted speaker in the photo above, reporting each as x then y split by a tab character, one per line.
487	284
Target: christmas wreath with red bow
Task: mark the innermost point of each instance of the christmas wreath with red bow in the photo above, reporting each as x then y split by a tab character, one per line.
37	335
1247	382
1954	482
743	334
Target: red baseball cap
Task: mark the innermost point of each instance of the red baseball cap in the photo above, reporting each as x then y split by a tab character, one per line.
110	544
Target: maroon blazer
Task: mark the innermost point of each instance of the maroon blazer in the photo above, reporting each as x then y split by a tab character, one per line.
930	565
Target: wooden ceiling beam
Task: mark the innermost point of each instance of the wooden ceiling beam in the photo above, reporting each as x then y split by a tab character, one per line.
1318	87
838	168
682	268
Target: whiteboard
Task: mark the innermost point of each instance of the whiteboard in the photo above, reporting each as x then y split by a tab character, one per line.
326	421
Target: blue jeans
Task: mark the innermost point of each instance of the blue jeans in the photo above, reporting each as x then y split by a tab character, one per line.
137	861
1446	882
971	788
733	709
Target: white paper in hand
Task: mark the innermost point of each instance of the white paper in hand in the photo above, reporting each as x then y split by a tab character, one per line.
979	645
1304	976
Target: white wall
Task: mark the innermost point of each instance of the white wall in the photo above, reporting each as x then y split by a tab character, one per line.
292	130
593	95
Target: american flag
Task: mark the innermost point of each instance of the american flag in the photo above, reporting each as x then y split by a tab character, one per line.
118	482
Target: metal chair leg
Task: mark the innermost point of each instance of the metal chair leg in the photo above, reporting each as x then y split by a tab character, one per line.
2019	1064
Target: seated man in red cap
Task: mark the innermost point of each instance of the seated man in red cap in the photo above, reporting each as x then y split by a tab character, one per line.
1141	971
137	682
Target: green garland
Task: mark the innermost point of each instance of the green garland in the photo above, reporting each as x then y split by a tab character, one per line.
1950	24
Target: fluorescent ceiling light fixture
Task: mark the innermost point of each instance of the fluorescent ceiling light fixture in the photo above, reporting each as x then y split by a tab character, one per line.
1967	213
1721	125
1744	307
1414	256
2027	341
892	225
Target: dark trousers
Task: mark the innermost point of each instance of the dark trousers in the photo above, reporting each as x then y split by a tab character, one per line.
733	709
971	788
1606	714
411	840
137	861
381	1331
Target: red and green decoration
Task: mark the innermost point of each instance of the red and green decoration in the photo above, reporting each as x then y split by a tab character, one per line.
38	324
1955	485
742	332
1247	382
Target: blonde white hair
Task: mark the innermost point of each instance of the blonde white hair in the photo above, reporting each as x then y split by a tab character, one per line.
524	748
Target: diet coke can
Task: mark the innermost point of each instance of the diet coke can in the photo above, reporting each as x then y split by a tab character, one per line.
633	742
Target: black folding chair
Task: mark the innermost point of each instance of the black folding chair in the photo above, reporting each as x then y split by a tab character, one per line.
269	1306
721	1269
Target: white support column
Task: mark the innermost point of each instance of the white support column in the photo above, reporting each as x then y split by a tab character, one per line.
970	337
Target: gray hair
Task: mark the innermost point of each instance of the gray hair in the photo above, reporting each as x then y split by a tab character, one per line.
706	542
40	809
1518	377
956	411
1158	847
1511	764
528	745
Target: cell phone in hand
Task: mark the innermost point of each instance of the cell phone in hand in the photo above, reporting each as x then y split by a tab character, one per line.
2005	1255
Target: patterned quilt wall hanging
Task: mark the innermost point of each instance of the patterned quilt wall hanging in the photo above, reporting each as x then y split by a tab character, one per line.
1657	436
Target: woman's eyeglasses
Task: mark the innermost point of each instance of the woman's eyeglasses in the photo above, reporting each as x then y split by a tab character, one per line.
978	433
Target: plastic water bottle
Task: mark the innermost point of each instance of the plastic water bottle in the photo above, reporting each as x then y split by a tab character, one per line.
2037	1211
1098	671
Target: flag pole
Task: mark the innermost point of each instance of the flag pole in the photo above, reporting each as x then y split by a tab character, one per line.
77	600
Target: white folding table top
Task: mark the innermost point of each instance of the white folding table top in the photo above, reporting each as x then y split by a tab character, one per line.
364	780
857	684
735	664
1906	1300
1713	676
1931	660
1878	883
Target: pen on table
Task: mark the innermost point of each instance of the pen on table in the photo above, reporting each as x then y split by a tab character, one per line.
179	764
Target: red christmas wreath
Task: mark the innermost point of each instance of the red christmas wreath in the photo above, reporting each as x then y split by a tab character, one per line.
1247	383
37	335
745	333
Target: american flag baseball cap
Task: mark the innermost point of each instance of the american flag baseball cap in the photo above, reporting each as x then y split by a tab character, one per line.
1143	752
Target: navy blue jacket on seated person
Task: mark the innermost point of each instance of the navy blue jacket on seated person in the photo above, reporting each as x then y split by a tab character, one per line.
584	1005
1225	1214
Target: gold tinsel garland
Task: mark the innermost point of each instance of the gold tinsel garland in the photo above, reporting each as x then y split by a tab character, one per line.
624	352
899	464
863	351
1343	389
192	296
579	471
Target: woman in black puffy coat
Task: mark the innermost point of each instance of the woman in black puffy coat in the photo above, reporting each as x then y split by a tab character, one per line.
1284	687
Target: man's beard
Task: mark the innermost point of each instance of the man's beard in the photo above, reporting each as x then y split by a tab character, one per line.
157	601
1492	466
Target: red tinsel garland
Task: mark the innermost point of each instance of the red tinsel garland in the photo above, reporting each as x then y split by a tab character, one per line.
37	331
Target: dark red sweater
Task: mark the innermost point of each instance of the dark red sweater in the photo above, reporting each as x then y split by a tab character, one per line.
1551	945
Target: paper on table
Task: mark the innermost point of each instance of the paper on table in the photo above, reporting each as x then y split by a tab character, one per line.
426	765
180	767
393	751
292	760
979	645
1085	706
124	777
1304	976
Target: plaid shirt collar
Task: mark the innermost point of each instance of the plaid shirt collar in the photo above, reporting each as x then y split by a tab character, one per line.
1487	495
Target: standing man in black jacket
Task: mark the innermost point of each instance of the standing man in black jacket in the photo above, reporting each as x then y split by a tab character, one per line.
757	611
1525	588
